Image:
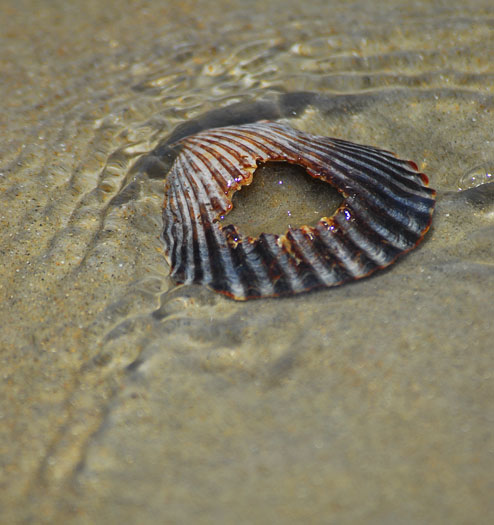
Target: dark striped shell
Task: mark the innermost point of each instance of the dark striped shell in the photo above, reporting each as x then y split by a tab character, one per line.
386	211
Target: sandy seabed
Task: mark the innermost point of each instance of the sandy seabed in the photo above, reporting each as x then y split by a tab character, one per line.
124	398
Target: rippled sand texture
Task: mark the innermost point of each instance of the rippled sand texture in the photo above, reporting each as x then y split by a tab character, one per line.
126	399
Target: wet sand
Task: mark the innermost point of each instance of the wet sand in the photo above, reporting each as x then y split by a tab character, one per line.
126	398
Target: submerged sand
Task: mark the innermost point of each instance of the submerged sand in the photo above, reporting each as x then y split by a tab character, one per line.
126	399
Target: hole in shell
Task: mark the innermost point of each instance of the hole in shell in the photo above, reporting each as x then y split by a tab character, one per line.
281	196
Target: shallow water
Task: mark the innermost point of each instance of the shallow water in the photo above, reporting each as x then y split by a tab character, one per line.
288	196
127	398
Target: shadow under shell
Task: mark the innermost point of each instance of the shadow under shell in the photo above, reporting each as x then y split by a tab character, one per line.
385	212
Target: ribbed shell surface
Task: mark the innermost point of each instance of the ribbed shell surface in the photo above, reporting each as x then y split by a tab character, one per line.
386	211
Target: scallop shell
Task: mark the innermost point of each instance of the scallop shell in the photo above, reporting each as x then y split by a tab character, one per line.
386	211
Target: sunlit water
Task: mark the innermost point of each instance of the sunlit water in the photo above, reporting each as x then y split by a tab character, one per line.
130	398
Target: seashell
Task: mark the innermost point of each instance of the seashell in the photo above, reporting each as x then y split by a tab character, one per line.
386	211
